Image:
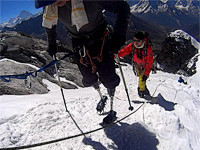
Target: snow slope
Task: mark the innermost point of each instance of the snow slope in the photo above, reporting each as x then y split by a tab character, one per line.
37	118
172	124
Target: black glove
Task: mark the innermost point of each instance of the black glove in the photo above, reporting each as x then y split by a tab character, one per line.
52	49
116	42
144	78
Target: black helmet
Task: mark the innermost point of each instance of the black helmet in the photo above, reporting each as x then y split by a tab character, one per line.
139	35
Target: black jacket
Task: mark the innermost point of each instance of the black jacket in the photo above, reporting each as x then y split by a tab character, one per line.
95	16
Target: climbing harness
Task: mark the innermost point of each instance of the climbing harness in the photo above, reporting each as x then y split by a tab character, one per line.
86	54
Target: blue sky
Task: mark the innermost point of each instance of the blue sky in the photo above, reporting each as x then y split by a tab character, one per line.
12	8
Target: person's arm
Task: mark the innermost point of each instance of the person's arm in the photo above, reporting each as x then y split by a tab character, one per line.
122	11
51	38
51	35
125	51
149	61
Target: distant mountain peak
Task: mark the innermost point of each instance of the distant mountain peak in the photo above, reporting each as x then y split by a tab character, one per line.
156	6
142	7
168	13
25	14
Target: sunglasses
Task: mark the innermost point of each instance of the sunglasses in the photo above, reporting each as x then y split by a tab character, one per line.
137	40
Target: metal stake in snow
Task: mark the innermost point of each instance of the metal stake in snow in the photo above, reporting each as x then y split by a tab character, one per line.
120	68
61	89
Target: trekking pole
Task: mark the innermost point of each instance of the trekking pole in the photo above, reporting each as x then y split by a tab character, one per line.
63	96
120	68
60	85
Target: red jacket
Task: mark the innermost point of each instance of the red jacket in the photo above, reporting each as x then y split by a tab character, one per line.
145	62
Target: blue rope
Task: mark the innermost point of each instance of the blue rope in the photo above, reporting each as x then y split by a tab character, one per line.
7	78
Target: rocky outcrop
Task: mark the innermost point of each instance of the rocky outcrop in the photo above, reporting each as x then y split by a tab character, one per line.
16	86
20	53
176	55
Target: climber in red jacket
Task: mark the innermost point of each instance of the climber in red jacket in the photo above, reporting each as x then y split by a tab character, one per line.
142	60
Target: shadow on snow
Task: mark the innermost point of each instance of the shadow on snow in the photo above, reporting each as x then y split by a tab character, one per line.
160	100
126	137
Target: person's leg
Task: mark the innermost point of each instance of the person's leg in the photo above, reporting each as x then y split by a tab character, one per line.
107	74
141	84
110	80
89	78
142	88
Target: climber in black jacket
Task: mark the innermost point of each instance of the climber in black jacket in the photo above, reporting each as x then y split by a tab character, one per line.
93	44
91	39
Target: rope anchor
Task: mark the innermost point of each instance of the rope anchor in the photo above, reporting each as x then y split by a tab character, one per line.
27	82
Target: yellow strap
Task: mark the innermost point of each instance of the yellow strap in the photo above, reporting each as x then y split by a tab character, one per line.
49	18
80	8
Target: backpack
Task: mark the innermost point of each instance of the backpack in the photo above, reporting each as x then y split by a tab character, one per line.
147	36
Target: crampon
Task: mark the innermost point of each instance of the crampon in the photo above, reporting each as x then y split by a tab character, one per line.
101	105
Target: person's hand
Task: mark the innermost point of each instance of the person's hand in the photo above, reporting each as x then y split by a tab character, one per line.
144	78
116	42
52	49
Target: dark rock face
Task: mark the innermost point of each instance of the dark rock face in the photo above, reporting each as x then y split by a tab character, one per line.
18	52
175	56
16	86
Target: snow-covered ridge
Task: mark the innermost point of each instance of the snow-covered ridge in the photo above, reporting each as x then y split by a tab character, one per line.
181	33
155	6
196	44
141	7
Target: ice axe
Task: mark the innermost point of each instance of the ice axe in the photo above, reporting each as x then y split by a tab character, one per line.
120	68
